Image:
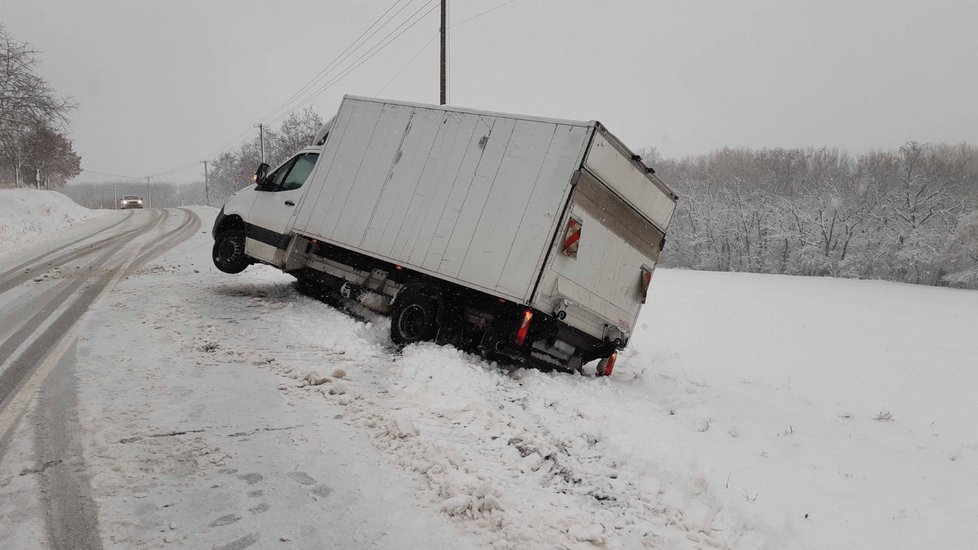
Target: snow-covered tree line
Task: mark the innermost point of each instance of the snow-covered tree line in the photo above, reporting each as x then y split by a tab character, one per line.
907	215
232	170
34	147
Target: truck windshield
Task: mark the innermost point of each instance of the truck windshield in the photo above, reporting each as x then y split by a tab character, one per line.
300	171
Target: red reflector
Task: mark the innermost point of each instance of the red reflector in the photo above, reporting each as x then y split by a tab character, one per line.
524	327
646	281
572	238
609	364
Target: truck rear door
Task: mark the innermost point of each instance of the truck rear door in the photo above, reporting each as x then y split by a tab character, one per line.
612	232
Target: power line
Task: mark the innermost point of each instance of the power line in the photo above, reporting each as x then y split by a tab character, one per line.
333	63
464	21
233	141
408	64
111	175
338	60
374	50
377	48
347	52
174	170
432	39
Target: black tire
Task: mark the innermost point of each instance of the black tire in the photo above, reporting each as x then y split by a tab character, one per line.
229	251
414	316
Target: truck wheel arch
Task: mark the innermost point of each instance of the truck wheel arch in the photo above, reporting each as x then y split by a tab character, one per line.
232	221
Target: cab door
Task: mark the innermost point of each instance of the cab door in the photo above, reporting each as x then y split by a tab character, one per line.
275	206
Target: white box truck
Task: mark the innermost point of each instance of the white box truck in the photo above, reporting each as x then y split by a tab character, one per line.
523	238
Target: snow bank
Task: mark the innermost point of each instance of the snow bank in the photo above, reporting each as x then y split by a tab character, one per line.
751	411
26	214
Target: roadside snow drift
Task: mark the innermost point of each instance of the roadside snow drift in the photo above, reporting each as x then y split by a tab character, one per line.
26	214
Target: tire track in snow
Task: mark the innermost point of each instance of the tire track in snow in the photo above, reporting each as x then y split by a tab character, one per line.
48	362
41	257
11	280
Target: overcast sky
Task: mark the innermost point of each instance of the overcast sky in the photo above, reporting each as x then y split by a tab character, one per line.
165	84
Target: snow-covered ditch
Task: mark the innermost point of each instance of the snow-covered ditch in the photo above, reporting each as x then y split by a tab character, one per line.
27	214
750	411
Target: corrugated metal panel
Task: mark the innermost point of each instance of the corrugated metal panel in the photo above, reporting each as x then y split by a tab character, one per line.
541	213
405	175
477	194
345	154
446	173
356	211
306	208
506	204
618	172
457	194
431	193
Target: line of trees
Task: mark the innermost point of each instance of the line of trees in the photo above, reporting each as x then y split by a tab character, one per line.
34	147
909	215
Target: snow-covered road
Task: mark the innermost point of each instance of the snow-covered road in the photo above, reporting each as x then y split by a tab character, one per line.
749	412
45	292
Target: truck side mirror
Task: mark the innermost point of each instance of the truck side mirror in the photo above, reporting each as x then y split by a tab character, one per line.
261	173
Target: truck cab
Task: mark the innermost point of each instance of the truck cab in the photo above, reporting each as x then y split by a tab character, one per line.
263	211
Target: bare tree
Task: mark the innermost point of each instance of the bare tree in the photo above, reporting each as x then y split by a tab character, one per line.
27	101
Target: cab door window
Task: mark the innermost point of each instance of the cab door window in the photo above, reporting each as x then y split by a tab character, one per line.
292	174
273	181
299	172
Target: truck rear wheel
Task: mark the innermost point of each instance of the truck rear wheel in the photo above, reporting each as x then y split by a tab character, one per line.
413	317
229	251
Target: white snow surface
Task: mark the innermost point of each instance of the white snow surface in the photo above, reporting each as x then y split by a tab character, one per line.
27	214
750	411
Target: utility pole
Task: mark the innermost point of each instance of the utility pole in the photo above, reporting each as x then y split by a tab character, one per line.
444	51
207	199
261	139
149	188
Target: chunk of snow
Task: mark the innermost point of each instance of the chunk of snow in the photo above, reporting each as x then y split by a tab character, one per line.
313	378
404	427
587	533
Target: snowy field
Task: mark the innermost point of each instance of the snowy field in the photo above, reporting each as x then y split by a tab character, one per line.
27	215
750	411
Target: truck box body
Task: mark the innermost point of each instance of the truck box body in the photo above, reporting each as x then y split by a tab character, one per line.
521	237
481	200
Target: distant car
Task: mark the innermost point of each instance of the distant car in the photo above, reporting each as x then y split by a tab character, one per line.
130	201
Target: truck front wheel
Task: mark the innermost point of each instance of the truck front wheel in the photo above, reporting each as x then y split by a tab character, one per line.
413	317
229	251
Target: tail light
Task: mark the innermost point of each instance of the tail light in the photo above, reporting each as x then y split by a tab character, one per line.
609	364
646	281
572	238
524	327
